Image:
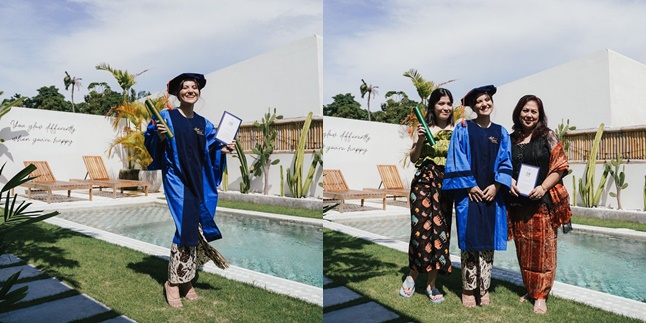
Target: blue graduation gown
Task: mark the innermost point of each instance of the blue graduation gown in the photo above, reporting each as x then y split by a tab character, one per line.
479	157
192	166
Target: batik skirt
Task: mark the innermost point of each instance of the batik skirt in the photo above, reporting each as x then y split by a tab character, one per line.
431	211
535	240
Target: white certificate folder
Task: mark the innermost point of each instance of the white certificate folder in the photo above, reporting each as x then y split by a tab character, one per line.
527	177
228	128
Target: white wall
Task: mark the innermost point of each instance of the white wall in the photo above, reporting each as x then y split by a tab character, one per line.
28	135
628	91
288	79
632	197
577	90
357	147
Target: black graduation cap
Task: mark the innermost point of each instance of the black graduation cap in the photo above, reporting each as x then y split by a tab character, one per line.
471	96
173	85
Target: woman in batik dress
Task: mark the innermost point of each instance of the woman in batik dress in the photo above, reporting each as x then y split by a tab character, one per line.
431	209
478	172
533	217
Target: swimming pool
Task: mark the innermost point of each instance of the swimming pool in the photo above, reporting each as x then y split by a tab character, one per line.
609	264
279	248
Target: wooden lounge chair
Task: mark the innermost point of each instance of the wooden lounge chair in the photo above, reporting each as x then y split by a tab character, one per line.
392	182
45	180
335	187
99	177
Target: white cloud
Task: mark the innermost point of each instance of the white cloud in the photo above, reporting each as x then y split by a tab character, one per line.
167	37
476	42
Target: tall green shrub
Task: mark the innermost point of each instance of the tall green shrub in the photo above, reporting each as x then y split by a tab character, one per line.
589	196
297	184
265	147
619	177
245	183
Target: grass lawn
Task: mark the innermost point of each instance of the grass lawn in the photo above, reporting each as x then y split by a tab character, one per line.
376	272
609	223
130	282
306	213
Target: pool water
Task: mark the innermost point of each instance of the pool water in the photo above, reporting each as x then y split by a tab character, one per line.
279	248
609	264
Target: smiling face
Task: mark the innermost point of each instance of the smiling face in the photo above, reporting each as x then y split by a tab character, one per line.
483	105
529	116
443	108
189	92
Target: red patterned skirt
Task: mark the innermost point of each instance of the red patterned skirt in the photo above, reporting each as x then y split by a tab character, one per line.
535	240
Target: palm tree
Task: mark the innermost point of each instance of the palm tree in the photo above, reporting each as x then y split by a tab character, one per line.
371	90
125	79
424	89
75	82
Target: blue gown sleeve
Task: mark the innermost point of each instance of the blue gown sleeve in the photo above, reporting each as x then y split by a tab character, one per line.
154	146
503	165
457	172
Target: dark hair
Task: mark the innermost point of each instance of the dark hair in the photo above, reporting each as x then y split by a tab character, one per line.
541	129
432	101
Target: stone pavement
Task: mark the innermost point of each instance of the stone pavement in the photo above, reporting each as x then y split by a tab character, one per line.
367	311
63	305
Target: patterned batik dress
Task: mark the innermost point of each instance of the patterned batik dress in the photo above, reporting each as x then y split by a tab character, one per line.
431	210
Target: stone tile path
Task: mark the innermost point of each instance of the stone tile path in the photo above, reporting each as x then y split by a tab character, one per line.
63	309
364	312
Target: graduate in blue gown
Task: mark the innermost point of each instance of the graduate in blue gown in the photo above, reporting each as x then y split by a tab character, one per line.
192	163
478	164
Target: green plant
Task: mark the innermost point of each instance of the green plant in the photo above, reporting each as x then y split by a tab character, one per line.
265	147
574	190
225	178
13	217
589	196
297	185
644	193
5	107
245	183
561	133
282	182
131	135
619	177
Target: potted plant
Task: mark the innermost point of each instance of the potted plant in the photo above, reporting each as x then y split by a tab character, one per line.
130	120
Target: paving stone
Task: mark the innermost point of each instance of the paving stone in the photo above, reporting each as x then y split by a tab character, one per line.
42	288
368	312
119	319
8	259
25	271
338	295
62	310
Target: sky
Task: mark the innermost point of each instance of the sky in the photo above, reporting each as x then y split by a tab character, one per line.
473	42
41	39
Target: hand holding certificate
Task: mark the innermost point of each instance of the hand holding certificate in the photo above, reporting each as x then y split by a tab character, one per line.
422	121
527	177
228	128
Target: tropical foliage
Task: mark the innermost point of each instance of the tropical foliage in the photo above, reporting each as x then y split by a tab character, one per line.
13	217
371	90
73	81
345	106
265	147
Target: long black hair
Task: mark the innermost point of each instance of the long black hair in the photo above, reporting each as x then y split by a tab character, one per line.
432	101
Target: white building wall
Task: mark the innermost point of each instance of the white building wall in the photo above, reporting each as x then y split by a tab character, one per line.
27	137
357	147
288	79
628	91
578	90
